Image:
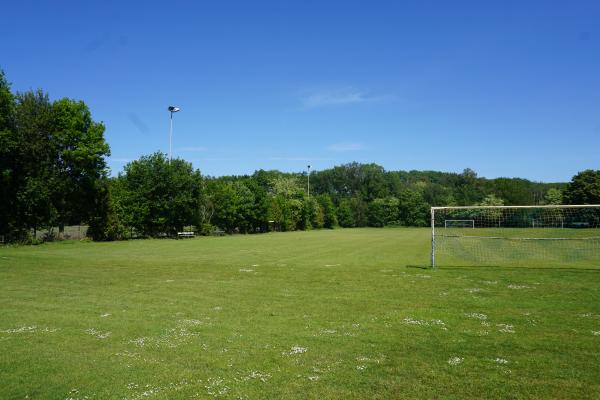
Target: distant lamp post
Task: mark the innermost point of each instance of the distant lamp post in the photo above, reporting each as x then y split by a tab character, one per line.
172	109
308	182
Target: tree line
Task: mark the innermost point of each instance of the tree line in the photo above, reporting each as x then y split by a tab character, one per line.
53	173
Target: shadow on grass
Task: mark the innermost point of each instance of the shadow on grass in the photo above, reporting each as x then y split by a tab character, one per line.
418	266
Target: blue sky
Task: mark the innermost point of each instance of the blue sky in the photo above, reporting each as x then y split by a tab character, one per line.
507	88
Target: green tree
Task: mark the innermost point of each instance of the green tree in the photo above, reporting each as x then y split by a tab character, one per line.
276	214
286	213
287	208
360	210
206	207
584	188
345	214
158	196
513	191
258	218
245	207
468	189
51	161
233	203
287	187
491	200
312	214
367	180
329	212
378	213
80	161
438	195
412	209
35	174
384	212
317	214
105	223
553	196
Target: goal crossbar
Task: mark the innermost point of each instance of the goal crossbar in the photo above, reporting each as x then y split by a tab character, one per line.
512	207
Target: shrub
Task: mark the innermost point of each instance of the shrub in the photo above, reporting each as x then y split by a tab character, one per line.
206	229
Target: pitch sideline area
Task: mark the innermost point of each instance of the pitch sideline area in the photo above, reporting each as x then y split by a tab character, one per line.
347	313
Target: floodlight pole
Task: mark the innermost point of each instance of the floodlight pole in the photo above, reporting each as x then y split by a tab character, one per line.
172	109
171	139
308	182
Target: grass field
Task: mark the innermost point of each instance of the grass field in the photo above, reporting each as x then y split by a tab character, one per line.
342	314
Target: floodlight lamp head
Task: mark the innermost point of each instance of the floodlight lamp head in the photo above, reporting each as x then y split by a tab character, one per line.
173	109
308	166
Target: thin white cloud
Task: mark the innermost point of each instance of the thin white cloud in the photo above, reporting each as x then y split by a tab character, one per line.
339	97
192	149
346	146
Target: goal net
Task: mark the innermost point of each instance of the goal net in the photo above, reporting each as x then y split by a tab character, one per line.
537	236
459	223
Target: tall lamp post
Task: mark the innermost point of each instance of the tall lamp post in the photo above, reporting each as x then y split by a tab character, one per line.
172	109
308	183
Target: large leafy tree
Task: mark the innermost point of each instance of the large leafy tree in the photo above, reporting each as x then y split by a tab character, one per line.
106	222
514	191
156	196
286	203
234	206
258	215
367	180
584	188
329	212
286	213
553	196
51	161
345	214
80	163
438	195
35	172
384	212
360	210
412	209
468	189
312	216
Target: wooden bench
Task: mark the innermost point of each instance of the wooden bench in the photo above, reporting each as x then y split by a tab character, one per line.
219	232
185	234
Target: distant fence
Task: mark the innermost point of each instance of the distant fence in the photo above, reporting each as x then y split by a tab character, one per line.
72	232
78	232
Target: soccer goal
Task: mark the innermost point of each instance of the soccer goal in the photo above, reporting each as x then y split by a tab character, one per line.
536	236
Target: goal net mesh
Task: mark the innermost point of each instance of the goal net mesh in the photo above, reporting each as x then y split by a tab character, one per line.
537	236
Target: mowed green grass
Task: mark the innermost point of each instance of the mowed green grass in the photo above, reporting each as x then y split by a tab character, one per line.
341	314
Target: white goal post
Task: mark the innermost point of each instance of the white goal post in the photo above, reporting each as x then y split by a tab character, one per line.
548	235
